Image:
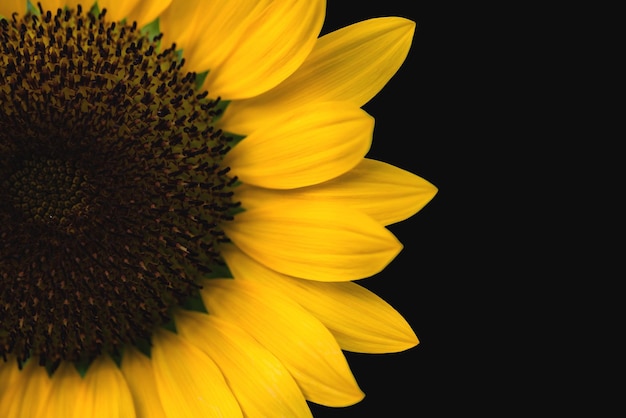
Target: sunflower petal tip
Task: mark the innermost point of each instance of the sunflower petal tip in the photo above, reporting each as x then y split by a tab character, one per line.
359	397
406	342
402	22
413	342
432	190
353	398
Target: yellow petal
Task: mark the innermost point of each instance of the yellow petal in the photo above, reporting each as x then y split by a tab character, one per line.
380	190
11	381
73	3
248	47
273	46
353	64
206	30
141	11
66	394
261	383
9	373
29	397
8	7
105	393
359	320
306	348
188	381
308	145
137	370
314	240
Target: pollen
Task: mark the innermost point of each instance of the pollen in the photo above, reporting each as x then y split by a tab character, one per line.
112	191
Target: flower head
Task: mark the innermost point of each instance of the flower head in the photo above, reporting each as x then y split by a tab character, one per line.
186	204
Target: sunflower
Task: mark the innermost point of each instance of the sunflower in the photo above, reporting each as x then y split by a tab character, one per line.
186	204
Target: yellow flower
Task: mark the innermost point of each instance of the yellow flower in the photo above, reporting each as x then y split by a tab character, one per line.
186	204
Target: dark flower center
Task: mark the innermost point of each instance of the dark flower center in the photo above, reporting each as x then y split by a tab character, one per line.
111	188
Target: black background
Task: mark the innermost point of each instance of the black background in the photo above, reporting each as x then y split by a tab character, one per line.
486	107
417	130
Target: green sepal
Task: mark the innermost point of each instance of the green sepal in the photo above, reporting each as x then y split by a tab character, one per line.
82	366
31	8
144	346
170	326
200	79
151	29
194	303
